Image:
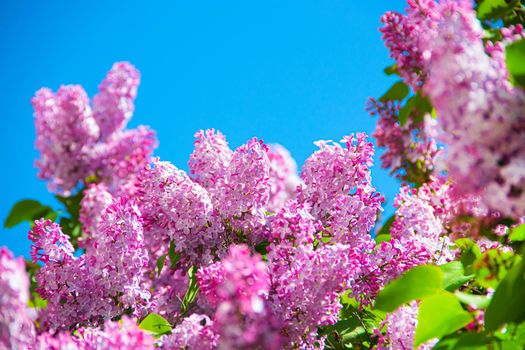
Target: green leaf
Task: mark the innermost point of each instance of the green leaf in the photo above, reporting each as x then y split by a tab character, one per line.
492	266
36	302
517	233
463	341
160	263
439	314
469	252
454	275
28	210
385	229
391	70
405	111
417	283
174	256
383	238
397	92
191	292
478	301
515	57
508	302
493	9
155	324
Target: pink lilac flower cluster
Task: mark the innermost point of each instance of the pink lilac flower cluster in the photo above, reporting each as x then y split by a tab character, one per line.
17	330
77	140
121	335
194	332
468	85
238	287
103	283
16	325
400	330
411	151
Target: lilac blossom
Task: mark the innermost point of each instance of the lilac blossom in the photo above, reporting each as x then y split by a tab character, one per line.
16	325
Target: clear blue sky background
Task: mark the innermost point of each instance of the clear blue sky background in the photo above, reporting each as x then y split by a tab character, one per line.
290	72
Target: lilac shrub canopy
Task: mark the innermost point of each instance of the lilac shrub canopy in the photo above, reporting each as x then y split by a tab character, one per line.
244	252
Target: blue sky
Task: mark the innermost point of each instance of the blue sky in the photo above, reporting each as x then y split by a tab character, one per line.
290	72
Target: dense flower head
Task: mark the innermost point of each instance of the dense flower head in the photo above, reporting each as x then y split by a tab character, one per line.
16	326
92	206
238	286
171	201
293	224
245	189
411	151
210	157
65	130
400	330
98	285
373	267
77	141
306	286
114	335
333	170
114	105
467	83
194	332
283	177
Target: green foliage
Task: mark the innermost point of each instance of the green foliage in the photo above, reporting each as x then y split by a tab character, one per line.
71	224
492	266
463	341
508	303
515	58
439	314
417	283
415	107
397	92
391	70
493	9
454	275
28	210
191	292
354	329
477	301
174	256
469	253
517	233
155	324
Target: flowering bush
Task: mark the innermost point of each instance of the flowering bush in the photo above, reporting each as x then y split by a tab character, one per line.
244	253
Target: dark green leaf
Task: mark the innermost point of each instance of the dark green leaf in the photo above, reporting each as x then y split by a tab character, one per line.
515	57
174	256
155	324
397	92
478	301
454	275
385	229
391	70
383	238
439	314
160	263
493	9
417	283
517	233
508	302
191	292
463	341
405	111
28	210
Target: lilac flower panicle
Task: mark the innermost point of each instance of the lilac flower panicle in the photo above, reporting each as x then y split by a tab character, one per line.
210	157
114	105
98	285
16	325
177	205
194	332
77	141
283	177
